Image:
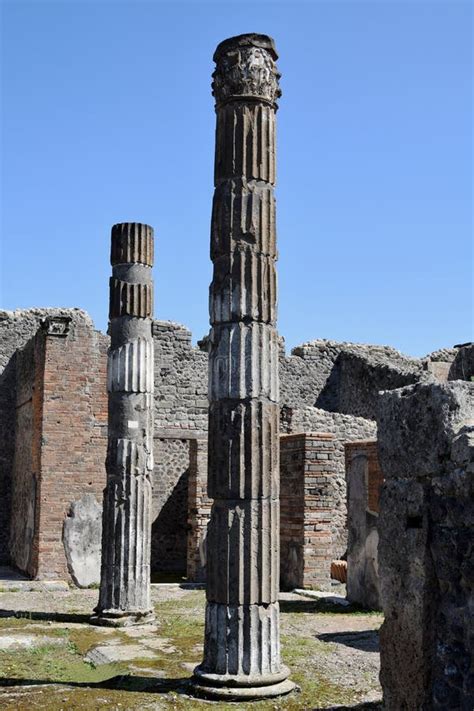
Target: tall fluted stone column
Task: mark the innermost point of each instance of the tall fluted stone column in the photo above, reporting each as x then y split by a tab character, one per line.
242	646
126	529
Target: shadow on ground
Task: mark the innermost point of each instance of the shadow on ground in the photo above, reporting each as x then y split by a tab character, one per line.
366	640
371	706
322	605
46	616
123	682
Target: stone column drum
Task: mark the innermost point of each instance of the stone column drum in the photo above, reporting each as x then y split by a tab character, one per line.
126	525
242	646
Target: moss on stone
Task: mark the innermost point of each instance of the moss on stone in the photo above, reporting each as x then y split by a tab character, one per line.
57	677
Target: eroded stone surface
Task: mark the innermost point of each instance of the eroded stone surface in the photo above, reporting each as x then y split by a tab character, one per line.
426	546
364	479
110	653
82	540
417	425
242	643
126	543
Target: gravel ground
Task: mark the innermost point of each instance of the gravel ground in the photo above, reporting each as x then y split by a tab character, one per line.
51	658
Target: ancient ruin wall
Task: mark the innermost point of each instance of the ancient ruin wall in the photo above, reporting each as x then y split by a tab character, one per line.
16	329
181	401
180	380
199	511
364	479
60	441
306	511
26	461
426	450
345	428
343	377
170	504
73	436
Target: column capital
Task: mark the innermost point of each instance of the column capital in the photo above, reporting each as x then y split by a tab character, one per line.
246	70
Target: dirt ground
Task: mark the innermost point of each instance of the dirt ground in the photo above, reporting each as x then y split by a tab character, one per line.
52	658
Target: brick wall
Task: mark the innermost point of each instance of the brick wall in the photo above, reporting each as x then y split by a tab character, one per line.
65	447
16	329
199	511
307	476
74	434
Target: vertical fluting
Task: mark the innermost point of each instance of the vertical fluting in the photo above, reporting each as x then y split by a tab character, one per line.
126	527
242	649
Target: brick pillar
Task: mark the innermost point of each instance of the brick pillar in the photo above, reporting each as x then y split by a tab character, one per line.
307	467
199	511
242	643
61	438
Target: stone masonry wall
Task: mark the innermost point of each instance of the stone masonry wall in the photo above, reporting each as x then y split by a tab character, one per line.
364	480
343	377
170	504
307	503
345	428
199	511
180	380
426	549
315	373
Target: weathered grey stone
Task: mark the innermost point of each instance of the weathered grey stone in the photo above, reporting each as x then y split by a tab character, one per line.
82	536
417	425
426	549
112	653
462	367
126	542
363	537
242	647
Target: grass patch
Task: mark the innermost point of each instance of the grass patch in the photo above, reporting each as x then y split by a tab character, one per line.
322	606
135	685
169	577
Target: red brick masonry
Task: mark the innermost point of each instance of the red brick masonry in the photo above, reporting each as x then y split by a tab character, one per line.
307	474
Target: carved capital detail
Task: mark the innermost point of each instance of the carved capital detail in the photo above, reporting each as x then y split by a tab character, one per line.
56	325
246	69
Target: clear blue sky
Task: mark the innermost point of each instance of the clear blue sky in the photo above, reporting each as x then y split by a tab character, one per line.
108	117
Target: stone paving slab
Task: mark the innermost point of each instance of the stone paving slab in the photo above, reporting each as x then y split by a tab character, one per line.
110	653
10	641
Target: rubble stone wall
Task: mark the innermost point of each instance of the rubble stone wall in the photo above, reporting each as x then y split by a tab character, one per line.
180	379
316	379
170	504
426	451
199	511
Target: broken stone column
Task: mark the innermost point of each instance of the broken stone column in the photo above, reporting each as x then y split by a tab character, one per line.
126	528
242	645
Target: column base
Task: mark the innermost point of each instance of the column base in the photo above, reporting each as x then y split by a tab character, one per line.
122	618
241	687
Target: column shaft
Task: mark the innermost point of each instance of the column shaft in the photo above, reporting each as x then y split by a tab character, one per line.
125	573
242	646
